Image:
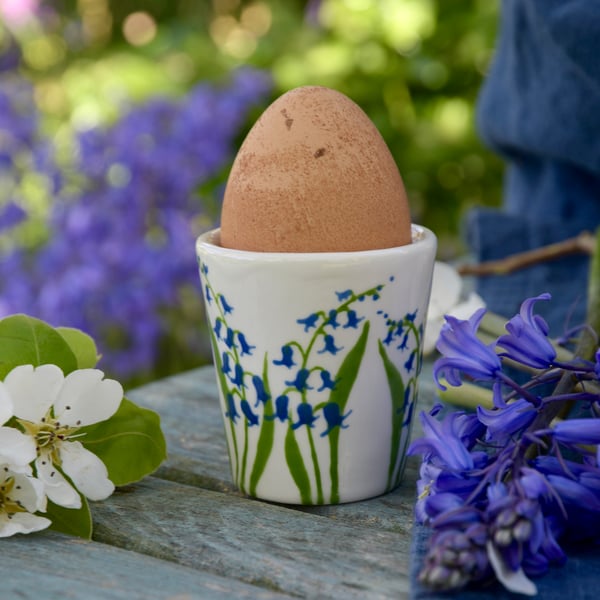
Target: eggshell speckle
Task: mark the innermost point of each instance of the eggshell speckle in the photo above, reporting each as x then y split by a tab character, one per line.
314	175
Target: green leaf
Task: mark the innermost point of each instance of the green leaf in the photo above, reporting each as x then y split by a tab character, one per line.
25	340
346	377
82	346
131	443
234	460
396	385
265	438
295	463
72	521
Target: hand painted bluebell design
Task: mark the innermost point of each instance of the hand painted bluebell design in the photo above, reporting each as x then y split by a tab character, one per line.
287	358
313	399
333	417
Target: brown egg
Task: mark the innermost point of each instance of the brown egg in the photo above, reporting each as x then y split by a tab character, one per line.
314	175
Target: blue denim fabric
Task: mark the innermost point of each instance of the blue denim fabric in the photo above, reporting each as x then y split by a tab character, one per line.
539	109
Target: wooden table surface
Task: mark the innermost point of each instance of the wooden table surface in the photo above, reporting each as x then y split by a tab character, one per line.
186	532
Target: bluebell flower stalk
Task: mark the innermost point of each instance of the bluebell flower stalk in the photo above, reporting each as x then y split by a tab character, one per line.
502	487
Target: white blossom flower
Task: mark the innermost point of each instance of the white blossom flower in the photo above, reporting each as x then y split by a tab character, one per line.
16	448
21	495
51	408
447	298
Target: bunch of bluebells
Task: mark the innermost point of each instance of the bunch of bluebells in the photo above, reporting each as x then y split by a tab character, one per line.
123	218
504	489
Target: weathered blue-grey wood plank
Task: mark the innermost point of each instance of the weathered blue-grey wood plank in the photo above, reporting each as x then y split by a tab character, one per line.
255	542
192	420
56	567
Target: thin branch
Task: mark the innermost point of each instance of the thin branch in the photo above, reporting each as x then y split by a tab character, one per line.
584	243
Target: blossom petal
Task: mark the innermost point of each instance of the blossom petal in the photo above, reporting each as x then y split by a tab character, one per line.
57	488
22	522
29	492
86	398
6	404
33	390
16	448
86	470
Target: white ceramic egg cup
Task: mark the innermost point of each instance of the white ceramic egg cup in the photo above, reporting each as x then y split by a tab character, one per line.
317	357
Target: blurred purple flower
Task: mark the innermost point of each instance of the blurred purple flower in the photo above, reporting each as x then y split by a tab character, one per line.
120	250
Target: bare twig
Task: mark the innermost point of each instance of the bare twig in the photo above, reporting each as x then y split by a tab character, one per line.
584	243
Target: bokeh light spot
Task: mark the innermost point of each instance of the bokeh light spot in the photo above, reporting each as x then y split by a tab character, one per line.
139	28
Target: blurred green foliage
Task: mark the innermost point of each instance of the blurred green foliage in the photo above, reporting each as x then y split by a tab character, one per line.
414	66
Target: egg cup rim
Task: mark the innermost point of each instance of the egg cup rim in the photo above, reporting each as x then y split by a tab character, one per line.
208	242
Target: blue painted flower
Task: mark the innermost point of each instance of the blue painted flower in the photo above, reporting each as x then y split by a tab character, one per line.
326	382
330	346
345	295
231	412
225	364
527	339
353	320
334	417
287	357
250	416
262	396
281	409
332	319
309	322
463	352
217	327
301	381
408	365
227	308
305	416
230	338
245	347
238	377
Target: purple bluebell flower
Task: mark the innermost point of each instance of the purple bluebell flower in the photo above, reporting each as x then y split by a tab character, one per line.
442	440
527	339
10	215
463	352
503	423
132	217
578	431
